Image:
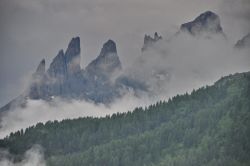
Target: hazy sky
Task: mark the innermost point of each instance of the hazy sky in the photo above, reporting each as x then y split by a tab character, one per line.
34	29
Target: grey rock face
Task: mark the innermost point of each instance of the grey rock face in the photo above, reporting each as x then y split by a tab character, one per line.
37	89
41	68
72	56
100	73
63	77
244	42
150	41
58	67
107	62
208	22
66	79
108	48
68	63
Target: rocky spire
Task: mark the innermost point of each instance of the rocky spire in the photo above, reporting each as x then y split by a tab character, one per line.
72	56
208	22
157	37
68	62
37	81
150	41
41	68
107	61
58	66
108	48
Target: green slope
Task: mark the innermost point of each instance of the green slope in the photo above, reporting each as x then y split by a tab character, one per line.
211	126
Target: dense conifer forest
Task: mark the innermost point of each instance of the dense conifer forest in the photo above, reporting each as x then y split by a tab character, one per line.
209	127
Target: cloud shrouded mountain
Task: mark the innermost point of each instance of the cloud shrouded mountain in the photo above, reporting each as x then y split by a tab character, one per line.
65	78
104	79
207	22
169	65
150	41
34	29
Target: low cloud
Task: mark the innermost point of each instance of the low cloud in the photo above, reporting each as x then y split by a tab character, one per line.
184	62
41	111
32	157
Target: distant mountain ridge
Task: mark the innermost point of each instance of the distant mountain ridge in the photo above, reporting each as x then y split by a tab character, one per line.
102	80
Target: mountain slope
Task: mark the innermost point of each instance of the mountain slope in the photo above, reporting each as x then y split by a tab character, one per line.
244	42
208	127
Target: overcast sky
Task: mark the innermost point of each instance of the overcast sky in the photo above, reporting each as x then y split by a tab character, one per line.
34	29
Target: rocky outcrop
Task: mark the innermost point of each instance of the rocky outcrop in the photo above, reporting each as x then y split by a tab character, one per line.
207	22
41	68
65	78
58	67
106	63
37	88
68	63
72	56
101	73
149	41
244	42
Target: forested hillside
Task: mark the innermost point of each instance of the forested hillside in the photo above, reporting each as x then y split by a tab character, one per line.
209	127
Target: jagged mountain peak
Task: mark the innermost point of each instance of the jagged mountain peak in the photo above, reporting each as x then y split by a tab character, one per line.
150	41
206	15
74	45
206	22
72	56
107	62
156	36
60	53
148	38
58	65
109	47
41	67
64	77
67	63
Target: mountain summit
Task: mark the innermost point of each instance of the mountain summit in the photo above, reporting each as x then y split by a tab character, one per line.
65	78
149	41
58	67
207	22
68	63
72	56
107	62
108	48
41	68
